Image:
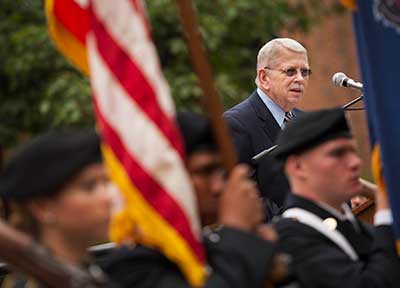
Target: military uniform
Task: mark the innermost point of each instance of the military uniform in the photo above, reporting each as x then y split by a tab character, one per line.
236	259
88	274
319	262
330	248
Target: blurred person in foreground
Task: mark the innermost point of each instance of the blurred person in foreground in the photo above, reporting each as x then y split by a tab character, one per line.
328	245
236	256
57	188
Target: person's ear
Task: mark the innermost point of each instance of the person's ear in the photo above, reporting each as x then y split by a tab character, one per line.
263	79
42	210
294	166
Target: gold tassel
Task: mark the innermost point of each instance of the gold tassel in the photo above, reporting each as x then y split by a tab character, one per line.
349	4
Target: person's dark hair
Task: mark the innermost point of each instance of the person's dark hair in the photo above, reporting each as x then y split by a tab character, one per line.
196	131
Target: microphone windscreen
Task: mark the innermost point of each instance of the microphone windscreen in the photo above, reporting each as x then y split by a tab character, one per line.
338	78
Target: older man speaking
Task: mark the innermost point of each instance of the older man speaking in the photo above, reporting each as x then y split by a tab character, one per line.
282	78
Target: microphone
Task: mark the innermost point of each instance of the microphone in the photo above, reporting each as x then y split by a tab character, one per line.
341	80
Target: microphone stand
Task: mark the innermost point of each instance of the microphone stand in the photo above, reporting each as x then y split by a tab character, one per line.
352	102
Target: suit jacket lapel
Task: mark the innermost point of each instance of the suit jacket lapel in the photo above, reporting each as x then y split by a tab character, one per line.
269	124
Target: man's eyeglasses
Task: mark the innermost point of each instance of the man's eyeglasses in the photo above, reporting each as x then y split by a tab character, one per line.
290	72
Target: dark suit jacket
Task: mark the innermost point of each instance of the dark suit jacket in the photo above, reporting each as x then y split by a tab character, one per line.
318	262
237	259
254	129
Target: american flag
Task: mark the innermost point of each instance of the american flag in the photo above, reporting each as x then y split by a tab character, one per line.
111	41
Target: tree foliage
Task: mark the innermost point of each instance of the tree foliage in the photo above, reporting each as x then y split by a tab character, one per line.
40	90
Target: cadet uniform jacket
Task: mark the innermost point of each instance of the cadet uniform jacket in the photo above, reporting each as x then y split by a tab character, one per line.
236	259
319	262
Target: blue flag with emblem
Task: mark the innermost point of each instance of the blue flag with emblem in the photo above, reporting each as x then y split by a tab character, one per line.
377	27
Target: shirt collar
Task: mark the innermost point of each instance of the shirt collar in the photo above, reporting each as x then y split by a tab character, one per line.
322	210
346	215
276	111
343	216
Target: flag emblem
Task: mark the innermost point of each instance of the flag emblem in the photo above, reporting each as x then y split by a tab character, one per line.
388	12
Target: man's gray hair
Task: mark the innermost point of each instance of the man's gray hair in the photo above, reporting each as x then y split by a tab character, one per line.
268	53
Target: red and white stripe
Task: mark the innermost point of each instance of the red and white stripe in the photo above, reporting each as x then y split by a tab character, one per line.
125	24
140	136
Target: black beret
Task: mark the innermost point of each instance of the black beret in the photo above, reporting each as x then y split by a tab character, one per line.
310	129
196	131
43	165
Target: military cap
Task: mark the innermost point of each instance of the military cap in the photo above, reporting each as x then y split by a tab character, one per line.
310	129
43	165
196	131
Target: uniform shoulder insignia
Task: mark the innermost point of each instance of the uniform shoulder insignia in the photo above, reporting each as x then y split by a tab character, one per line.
330	222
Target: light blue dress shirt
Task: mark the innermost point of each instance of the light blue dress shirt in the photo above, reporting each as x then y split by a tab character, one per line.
276	111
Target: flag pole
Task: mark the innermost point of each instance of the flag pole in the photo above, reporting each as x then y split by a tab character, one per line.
202	68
